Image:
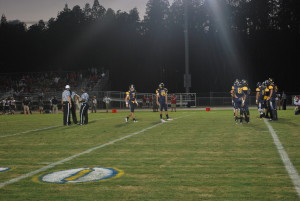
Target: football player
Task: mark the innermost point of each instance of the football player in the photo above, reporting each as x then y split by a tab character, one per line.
239	101
162	101
259	100
131	102
272	99
232	95
245	108
265	87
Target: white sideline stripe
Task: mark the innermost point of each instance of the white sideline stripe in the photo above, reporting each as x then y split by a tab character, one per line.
41	129
285	159
77	155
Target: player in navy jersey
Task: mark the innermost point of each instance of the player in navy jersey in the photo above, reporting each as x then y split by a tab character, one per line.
245	108
162	101
272	99
236	82
260	99
131	102
239	101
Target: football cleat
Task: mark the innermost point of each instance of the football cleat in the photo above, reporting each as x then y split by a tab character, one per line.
162	121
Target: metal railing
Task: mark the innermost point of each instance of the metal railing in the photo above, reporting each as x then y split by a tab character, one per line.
184	100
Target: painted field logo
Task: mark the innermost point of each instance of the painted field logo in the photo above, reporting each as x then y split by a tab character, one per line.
3	169
81	175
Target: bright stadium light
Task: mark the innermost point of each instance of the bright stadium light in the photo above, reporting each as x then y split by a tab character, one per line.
220	14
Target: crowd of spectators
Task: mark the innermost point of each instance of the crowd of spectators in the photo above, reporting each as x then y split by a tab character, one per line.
19	86
37	82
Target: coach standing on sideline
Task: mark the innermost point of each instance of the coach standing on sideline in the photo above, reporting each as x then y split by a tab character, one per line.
84	108
66	102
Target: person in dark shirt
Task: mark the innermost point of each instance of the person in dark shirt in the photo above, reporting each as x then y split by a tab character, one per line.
54	103
173	103
25	104
297	105
131	102
41	106
162	101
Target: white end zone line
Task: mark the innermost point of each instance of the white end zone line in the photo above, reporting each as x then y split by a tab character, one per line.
42	129
285	159
79	154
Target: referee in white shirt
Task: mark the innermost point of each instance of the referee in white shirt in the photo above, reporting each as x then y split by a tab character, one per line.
84	119
66	102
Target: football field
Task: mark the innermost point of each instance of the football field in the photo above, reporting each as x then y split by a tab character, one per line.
198	156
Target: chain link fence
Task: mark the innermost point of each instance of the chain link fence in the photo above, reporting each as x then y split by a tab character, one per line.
145	100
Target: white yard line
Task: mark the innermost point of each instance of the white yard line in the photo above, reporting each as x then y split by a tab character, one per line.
4	122
285	159
47	128
36	130
77	155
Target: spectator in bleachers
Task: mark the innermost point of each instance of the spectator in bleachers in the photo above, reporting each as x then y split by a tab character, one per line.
154	104
41	106
54	103
12	105
297	104
5	105
278	101
147	101
25	105
107	101
144	101
2	102
173	103
283	98
94	104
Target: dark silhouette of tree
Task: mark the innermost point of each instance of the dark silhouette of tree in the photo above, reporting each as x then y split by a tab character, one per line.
3	20
228	39
97	10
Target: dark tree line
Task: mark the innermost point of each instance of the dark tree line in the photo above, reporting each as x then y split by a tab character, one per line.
251	39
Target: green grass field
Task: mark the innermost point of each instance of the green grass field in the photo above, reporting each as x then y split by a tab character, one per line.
197	156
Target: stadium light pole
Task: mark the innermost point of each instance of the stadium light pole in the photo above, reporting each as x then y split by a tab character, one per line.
187	75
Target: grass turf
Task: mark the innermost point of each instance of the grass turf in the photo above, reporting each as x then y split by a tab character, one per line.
199	156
